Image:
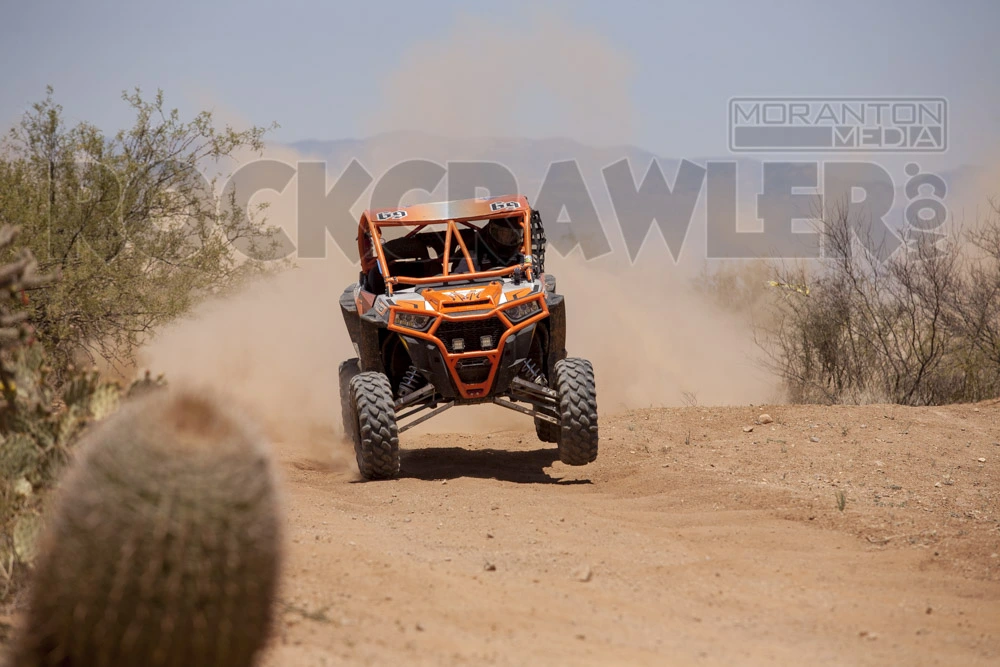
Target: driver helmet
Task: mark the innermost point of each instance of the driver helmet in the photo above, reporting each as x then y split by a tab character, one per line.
505	233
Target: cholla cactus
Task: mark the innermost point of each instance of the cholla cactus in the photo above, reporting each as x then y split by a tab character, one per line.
164	544
19	391
26	436
35	435
146	384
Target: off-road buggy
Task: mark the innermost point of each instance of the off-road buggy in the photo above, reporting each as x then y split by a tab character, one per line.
453	307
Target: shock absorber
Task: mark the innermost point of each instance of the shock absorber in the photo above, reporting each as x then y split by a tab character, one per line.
411	382
531	372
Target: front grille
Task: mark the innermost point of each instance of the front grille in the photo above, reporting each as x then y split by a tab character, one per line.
473	371
471	332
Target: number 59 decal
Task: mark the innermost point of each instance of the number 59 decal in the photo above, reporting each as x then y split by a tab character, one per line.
504	205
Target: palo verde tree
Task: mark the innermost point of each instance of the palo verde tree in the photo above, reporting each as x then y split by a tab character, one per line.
129	221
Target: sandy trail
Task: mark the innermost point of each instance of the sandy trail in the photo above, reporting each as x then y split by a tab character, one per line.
689	541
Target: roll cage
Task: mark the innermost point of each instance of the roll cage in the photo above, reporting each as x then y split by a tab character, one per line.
436	239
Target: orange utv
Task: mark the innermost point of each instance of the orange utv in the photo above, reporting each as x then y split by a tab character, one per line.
453	307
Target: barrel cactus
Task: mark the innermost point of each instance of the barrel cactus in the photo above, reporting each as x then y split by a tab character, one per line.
163	546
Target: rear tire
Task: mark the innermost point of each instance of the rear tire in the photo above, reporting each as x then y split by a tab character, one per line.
376	441
546	431
348	369
574	383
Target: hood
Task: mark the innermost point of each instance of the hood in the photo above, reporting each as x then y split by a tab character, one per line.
466	299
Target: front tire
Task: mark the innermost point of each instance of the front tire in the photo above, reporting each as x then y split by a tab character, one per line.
376	440
574	384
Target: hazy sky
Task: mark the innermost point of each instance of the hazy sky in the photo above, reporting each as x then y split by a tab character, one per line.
657	75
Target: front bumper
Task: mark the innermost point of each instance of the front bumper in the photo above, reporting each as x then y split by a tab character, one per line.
475	376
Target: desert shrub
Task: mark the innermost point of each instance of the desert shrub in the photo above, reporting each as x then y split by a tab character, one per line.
128	219
921	327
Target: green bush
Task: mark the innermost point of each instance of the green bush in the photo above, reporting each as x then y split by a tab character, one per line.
128	220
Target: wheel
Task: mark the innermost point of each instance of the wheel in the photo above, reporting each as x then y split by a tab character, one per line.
574	384
546	431
376	442
348	369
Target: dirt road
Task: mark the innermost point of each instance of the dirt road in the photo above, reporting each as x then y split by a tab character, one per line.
692	540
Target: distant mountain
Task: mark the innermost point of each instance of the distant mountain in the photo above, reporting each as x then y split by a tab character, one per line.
529	159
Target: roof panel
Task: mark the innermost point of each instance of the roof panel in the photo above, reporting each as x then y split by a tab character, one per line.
461	209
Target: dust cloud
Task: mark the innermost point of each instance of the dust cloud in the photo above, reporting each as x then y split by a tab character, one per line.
654	340
531	74
274	349
276	346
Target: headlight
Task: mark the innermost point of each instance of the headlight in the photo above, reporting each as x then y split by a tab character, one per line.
412	320
523	311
